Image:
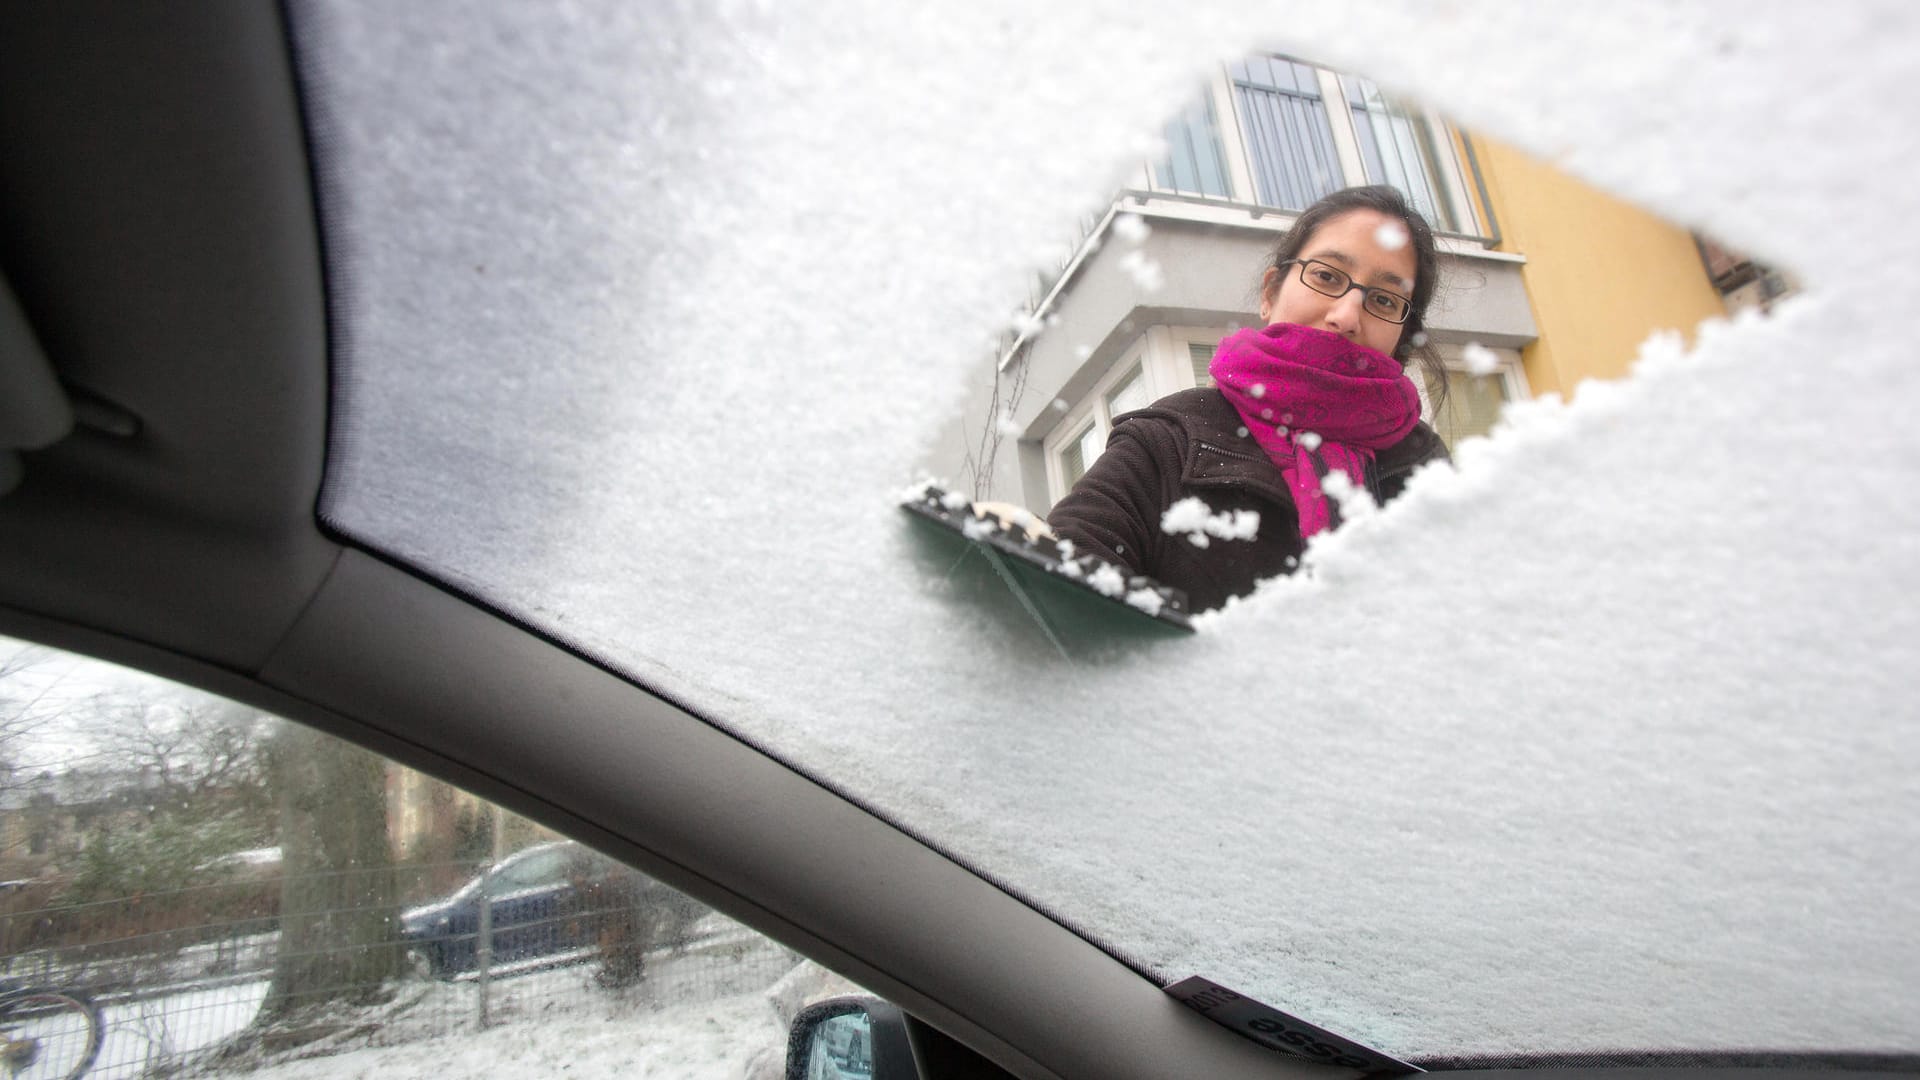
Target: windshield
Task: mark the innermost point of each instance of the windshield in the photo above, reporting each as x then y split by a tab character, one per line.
1596	740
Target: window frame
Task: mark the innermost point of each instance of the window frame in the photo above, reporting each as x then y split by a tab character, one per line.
1091	411
1162	357
1449	173
1511	371
1181	339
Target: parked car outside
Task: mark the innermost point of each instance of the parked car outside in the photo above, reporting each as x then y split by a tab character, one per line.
557	902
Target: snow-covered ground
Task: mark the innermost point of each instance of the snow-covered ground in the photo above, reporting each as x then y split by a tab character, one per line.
729	1037
159	1031
706	1012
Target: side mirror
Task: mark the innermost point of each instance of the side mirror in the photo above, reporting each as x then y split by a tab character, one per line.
850	1038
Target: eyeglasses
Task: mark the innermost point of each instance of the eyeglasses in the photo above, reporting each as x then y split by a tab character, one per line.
1335	282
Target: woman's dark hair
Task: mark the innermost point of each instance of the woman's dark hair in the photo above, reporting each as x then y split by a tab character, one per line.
1413	347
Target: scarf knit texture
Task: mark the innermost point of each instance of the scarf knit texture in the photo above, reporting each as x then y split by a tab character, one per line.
1315	401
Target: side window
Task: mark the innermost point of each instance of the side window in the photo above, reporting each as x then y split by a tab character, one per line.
1194	163
1398	149
1130	394
237	893
1200	355
1080	451
1073	447
1289	139
1477	390
1163	360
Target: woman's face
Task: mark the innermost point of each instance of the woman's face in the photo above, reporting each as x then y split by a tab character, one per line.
1350	242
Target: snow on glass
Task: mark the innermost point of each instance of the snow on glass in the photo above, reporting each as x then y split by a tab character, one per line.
1108	579
1192	517
1131	228
1354	501
1479	359
1146	273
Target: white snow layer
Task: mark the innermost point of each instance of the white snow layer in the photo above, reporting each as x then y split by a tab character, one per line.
1606	739
1197	520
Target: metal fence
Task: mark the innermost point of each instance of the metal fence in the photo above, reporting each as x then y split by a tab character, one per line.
217	977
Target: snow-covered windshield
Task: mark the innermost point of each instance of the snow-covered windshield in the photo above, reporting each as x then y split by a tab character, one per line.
1602	740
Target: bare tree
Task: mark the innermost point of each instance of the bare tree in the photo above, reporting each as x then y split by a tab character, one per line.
339	898
187	750
29	705
23	708
176	786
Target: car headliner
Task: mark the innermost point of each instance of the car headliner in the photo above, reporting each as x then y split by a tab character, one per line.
158	226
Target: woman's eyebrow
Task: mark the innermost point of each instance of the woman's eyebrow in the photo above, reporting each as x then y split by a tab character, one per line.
1331	255
1348	261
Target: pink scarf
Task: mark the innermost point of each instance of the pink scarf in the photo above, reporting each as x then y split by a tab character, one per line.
1314	400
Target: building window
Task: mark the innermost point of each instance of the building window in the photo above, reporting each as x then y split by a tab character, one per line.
1741	282
1129	395
1273	132
1288	137
1474	400
1195	163
1162	361
1134	383
1200	355
1079	452
1397	150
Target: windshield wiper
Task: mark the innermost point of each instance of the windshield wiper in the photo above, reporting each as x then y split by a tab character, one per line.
1281	1032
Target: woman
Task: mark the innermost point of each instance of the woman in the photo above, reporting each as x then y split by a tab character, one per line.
1321	387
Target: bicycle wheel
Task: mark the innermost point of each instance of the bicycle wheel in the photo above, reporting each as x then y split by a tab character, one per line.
49	1035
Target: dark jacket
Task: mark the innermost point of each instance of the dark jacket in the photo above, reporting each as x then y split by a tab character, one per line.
1193	443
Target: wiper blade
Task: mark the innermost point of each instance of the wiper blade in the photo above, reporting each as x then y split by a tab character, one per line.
1281	1032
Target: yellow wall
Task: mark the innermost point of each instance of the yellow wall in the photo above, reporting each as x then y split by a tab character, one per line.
1601	274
